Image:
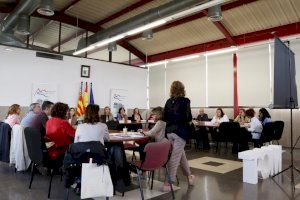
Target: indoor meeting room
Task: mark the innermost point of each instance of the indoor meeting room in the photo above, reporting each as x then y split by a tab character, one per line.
149	99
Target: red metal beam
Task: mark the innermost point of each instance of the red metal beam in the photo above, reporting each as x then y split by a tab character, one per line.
193	17
223	30
281	31
6	7
123	11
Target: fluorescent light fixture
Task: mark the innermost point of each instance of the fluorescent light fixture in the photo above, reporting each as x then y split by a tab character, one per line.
185	58
84	50
8	49
147	26
109	40
157	63
222	51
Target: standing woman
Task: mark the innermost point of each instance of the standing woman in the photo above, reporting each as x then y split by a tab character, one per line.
13	115
178	117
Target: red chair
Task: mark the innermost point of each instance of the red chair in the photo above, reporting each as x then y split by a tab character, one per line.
157	156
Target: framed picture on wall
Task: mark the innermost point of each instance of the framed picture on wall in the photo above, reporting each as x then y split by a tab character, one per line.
85	71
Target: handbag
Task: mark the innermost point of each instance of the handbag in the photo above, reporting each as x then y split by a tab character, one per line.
95	181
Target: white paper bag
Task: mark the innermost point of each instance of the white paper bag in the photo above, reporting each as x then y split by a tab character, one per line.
95	181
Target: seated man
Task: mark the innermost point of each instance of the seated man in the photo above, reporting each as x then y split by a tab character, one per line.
34	109
201	132
39	120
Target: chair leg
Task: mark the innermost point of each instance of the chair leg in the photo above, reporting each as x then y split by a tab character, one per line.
32	174
139	178
152	180
61	175
217	146
50	183
170	182
67	194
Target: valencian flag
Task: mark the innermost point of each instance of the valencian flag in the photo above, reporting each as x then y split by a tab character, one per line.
85	96
80	105
91	95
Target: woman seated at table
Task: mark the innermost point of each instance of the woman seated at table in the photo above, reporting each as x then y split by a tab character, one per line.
219	117
255	126
107	115
242	118
92	129
72	117
122	115
264	116
136	116
13	115
157	132
59	133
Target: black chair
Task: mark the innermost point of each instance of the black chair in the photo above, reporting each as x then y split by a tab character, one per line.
228	132
278	130
112	125
77	154
39	156
5	137
266	135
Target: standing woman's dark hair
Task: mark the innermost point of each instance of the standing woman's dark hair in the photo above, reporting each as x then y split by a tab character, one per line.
59	110
122	108
92	114
264	114
177	115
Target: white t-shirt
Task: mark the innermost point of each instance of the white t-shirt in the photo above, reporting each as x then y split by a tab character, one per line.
219	120
91	132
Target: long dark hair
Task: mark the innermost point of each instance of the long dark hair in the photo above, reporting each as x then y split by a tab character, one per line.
92	114
264	114
221	110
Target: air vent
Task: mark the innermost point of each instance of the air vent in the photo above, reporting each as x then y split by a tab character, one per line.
49	55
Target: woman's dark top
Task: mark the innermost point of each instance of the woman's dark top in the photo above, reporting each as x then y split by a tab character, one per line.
177	114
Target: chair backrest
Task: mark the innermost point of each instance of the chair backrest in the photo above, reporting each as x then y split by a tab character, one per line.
157	155
268	132
112	125
229	131
34	145
5	137
279	126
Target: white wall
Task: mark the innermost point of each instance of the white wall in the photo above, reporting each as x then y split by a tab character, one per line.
254	83
20	68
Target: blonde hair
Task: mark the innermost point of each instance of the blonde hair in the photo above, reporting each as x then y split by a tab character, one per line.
177	89
13	109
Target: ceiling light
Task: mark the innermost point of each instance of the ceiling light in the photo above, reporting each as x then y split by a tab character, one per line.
46	8
84	50
23	27
222	51
147	34
8	49
146	27
109	40
185	58
214	13
112	47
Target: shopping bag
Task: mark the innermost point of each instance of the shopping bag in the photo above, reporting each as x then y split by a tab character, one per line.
95	181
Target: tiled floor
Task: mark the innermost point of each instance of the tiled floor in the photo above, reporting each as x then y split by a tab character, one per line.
209	184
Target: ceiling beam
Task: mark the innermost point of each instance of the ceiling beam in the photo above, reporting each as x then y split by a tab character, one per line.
280	31
193	17
123	11
222	29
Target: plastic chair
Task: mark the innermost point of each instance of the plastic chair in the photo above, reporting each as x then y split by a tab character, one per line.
267	134
228	132
157	156
278	130
39	157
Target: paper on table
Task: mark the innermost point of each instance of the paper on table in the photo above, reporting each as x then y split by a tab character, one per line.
208	123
